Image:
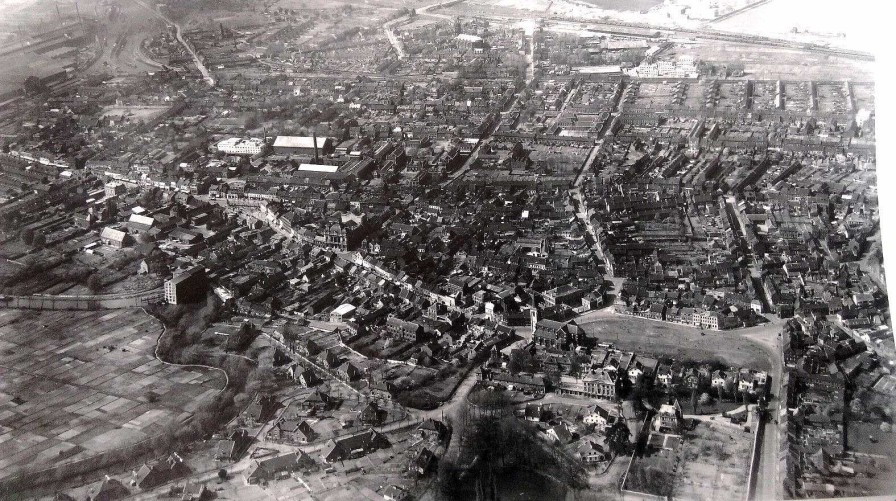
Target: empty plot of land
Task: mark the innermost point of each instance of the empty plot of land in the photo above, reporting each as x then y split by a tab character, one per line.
772	63
145	113
672	340
633	5
714	462
76	383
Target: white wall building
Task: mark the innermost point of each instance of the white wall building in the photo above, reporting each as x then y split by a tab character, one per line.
241	146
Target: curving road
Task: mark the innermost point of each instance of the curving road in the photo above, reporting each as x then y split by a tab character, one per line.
178	33
393	39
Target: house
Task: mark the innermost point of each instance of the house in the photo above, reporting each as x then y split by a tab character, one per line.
330	359
293	431
305	377
348	372
230	448
268	469
431	429
668	418
550	334
592	451
721	380
115	238
354	446
533	412
525	382
153	266
258	411
664	376
395	493
309	348
316	402
559	434
149	476
421	462
404	330
382	390
194	492
602	416
371	414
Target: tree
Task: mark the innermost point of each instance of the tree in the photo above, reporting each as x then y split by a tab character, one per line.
39	240
520	361
34	86
94	283
617	438
623	385
252	122
28	235
705	399
222	474
575	366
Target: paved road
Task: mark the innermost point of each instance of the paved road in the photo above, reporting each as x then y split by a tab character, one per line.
425	11
393	39
206	75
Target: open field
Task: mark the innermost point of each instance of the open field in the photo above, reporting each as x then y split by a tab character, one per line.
715	461
676	341
77	383
772	63
635	5
145	113
708	462
816	22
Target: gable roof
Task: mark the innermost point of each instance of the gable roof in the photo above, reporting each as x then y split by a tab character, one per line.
113	234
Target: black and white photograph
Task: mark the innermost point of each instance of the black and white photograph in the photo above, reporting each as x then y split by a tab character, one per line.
439	250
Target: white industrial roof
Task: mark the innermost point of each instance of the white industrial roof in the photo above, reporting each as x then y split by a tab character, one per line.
469	38
298	142
318	168
343	309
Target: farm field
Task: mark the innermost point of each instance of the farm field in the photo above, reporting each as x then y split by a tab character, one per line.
73	384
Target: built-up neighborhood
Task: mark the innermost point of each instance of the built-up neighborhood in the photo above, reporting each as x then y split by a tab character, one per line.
665	267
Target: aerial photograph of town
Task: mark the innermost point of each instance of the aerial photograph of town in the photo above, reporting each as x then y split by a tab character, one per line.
576	250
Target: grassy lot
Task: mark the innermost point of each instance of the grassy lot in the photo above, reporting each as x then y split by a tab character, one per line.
677	341
73	384
714	462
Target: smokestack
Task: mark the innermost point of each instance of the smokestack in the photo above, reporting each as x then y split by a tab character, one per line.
314	140
78	11
59	15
